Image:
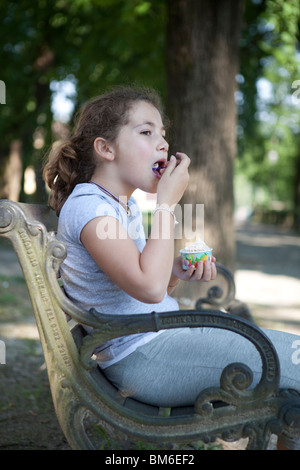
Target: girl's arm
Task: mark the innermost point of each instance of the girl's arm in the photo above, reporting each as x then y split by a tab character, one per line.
145	276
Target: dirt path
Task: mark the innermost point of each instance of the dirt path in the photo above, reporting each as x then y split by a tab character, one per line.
267	278
268	275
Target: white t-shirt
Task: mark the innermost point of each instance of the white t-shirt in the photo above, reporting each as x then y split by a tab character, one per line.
85	283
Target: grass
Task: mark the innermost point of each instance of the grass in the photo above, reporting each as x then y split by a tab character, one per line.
14	299
98	435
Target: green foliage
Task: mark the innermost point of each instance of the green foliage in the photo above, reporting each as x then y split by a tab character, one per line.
269	124
95	43
100	43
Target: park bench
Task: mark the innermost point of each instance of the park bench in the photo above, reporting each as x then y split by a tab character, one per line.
81	393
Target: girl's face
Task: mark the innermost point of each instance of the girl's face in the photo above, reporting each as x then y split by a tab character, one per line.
140	144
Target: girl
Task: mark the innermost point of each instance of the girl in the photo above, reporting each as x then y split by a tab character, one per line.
118	141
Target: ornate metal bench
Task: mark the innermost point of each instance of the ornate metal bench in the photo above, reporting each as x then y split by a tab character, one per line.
79	389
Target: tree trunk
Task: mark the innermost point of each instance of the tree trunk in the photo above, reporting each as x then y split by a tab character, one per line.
11	181
203	44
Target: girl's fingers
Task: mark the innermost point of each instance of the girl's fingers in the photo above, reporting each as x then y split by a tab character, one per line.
194	274
171	164
181	161
204	272
213	271
207	271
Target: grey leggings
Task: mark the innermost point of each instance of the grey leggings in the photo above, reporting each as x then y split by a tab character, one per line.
175	366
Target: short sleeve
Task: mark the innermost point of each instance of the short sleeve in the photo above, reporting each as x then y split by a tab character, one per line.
81	207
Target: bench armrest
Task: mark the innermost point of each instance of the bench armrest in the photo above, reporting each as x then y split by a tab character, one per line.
113	326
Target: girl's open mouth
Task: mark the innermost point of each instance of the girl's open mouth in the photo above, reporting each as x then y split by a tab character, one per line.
157	167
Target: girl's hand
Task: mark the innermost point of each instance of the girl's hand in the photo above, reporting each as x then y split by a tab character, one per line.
174	180
204	272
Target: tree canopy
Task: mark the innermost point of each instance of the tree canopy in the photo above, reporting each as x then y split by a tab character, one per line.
98	43
91	43
269	110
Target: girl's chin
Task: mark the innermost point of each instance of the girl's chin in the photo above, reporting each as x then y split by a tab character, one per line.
149	185
152	189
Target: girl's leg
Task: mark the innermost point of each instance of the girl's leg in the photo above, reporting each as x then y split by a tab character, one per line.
174	367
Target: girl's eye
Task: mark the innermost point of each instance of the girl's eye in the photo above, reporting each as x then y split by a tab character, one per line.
146	132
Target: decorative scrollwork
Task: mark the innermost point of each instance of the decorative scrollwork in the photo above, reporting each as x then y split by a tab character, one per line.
34	229
56	251
236	378
215	295
290	413
215	292
7	217
59	251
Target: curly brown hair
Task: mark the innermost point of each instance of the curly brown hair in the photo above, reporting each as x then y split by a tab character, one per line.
73	162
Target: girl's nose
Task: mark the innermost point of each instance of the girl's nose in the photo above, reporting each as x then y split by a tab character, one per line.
163	145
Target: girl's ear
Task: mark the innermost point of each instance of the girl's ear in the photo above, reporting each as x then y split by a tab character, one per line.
104	149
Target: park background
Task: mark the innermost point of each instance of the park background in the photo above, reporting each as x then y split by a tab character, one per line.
228	72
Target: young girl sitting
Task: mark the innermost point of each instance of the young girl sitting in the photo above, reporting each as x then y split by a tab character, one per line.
118	141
